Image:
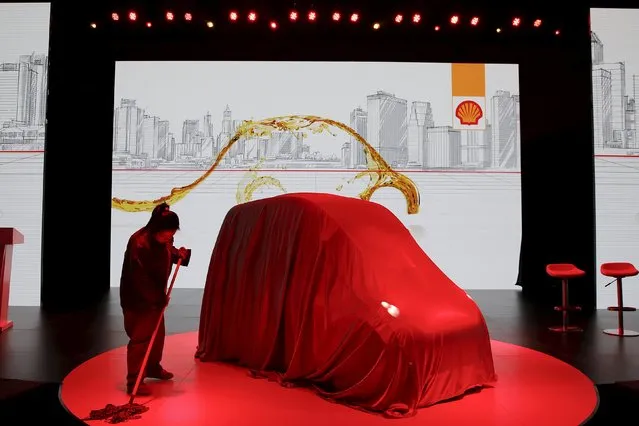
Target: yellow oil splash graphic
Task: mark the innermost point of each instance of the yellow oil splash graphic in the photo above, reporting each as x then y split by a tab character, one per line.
251	182
380	174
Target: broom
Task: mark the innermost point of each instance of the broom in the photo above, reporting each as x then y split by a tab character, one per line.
121	413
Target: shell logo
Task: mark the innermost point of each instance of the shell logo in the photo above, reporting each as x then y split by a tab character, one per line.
469	112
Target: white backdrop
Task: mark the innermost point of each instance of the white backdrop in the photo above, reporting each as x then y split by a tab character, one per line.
170	118
615	70
24	46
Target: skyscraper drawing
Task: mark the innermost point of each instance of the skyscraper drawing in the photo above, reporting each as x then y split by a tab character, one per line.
505	130
617	72
150	141
359	123
387	128
596	49
18	93
614	104
127	127
443	148
23	103
602	107
421	118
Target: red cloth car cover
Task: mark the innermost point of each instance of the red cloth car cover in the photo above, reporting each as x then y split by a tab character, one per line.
334	293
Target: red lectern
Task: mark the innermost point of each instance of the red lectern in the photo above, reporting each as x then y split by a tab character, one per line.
8	238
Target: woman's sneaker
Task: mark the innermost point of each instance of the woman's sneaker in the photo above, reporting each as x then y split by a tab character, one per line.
159	374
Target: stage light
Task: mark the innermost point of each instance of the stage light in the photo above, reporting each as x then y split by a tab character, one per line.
94	25
354	17
537	23
417	18
149	25
498	30
376	26
188	16
292	16
336	16
209	24
169	16
115	16
399	18
474	21
557	32
516	22
233	16
312	16
436	27
252	16
273	25
454	19
133	16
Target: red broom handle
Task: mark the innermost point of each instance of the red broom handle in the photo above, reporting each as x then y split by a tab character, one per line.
155	333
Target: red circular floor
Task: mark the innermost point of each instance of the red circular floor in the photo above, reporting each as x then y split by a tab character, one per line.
533	389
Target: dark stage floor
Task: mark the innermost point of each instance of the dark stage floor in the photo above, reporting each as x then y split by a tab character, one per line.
42	349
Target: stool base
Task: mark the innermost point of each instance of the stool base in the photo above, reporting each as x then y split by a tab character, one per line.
623	309
621	333
564	329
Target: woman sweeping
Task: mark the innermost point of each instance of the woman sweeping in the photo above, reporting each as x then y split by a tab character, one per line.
148	260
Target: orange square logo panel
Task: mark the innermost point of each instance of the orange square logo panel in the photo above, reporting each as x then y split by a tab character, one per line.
469	96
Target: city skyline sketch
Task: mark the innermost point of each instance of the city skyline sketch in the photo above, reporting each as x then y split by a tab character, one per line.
410	134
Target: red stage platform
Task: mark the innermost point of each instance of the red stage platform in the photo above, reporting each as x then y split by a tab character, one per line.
532	389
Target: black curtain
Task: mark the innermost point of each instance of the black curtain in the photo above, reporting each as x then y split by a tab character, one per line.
77	180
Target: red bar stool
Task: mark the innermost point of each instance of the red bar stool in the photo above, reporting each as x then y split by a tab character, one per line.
619	270
565	272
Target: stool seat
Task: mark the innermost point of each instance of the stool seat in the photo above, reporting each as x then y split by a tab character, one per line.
564	271
619	270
